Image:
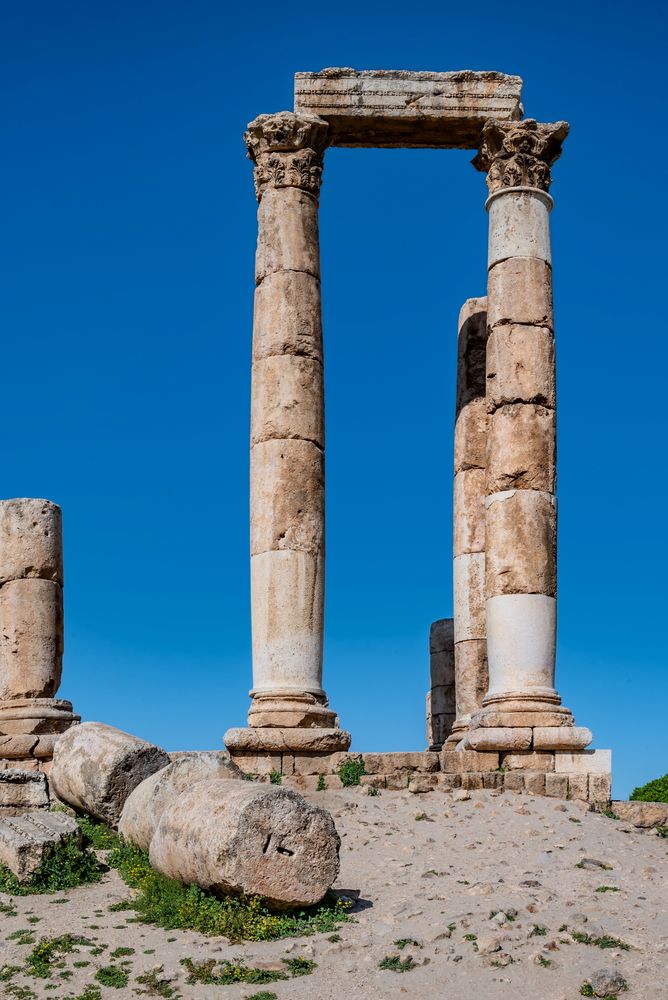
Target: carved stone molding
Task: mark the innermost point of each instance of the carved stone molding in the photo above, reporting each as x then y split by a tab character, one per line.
519	154
287	150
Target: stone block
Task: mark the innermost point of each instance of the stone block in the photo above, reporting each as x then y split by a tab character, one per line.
17	747
461	761
287	233
561	737
287	497
520	366
287	595
534	783
513	781
257	763
397	781
642	814
27	840
23	789
556	785
521	448
471	435
311	763
287	316
471	674
520	291
31	638
422	783
407	108
389	763
471	344
578	787
30	540
292	741
492	779
600	788
373	780
442	699
469	512
469	596
449	781
519	225
494	718
499	739
528	761
584	762
521	636
441	640
287	399
521	543
310	782
472	781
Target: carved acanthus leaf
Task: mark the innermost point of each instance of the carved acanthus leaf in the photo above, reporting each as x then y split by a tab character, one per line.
519	154
287	150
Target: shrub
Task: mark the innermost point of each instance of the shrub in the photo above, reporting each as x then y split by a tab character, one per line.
275	777
113	976
66	865
322	784
351	771
653	791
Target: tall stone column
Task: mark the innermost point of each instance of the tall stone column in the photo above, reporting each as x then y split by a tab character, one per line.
521	507
287	443
31	633
469	516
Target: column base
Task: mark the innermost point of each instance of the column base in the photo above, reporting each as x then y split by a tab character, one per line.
29	729
284	710
295	739
460	728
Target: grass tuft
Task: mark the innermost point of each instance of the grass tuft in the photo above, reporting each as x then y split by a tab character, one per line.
63	867
351	771
395	963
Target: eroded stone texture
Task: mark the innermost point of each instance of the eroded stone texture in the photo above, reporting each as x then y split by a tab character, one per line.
469	596
407	108
471	676
519	225
287	399
238	837
22	790
30	540
471	436
520	366
521	543
519	153
561	737
469	512
521	448
31	638
287	316
520	291
441	694
499	739
287	233
27	840
287	497
96	767
147	802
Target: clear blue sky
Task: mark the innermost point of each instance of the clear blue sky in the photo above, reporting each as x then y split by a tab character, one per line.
128	235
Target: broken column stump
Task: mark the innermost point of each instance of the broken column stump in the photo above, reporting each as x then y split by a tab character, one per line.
27	840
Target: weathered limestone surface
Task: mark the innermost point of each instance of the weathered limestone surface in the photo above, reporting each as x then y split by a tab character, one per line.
31	638
561	737
147	802
257	741
236	836
642	814
27	840
520	366
30	540
521	539
96	767
287	497
521	451
584	762
22	790
441	694
406	108
469	601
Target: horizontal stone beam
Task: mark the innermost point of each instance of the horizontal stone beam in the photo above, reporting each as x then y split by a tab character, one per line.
404	108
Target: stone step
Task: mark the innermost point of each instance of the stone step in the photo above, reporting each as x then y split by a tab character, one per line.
25	840
21	790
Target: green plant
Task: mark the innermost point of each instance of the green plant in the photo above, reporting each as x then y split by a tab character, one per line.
263	995
609	813
404	942
155	984
275	777
603	867
90	993
586	990
544	962
226	973
372	791
8	909
538	931
8	972
299	966
172	905
44	954
420	817
470	937
121	952
334	938
64	866
604	941
22	937
113	976
662	831
653	791
607	888
100	836
395	963
351	771
322	784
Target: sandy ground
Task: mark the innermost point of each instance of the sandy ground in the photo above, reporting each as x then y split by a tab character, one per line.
435	880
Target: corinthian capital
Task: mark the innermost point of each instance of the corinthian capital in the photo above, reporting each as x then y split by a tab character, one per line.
287	151
519	154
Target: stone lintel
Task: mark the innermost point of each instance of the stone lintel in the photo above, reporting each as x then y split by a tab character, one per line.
402	108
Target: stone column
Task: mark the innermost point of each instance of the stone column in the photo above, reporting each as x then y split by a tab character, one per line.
31	633
287	442
469	516
441	694
521	509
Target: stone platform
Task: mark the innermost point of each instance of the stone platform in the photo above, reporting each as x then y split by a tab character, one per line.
583	775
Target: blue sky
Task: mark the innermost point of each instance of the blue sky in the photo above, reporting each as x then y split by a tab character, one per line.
127	248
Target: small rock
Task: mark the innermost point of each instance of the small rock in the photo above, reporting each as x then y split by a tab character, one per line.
593	864
488	944
607	982
460	795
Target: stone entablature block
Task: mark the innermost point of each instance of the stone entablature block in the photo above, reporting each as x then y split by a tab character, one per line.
406	108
